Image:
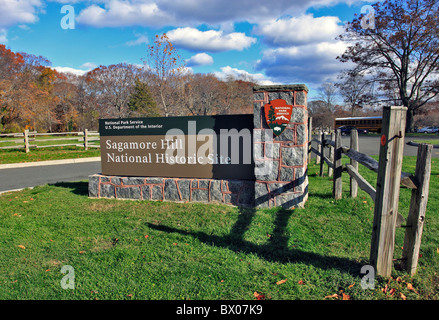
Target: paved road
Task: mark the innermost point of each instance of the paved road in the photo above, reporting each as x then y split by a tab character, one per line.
18	178
371	144
12	179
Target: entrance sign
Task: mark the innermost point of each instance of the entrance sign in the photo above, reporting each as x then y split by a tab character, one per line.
253	160
278	115
185	147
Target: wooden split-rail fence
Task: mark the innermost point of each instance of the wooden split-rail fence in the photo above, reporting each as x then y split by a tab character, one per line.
386	192
32	139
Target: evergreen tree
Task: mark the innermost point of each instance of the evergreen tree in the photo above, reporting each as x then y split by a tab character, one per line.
142	102
271	115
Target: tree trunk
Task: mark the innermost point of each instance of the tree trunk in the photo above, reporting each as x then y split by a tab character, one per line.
165	107
410	122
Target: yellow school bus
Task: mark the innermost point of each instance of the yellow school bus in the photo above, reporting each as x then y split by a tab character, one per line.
371	124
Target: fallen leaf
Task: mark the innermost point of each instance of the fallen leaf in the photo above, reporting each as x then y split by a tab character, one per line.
384	289
175	243
281	281
346	297
392	292
21	246
403	297
300	282
437	250
364	201
332	296
351	285
259	296
81	252
410	287
146	237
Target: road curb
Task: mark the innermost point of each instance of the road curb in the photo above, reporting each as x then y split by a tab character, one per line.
48	163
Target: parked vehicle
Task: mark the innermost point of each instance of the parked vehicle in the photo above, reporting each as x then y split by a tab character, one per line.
429	130
371	124
345	130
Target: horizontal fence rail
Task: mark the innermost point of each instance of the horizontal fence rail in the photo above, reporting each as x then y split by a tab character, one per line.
32	139
416	144
386	193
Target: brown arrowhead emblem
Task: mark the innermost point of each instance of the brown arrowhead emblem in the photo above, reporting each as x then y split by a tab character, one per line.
278	115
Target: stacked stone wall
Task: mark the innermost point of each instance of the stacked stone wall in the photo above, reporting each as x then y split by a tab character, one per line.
232	192
286	184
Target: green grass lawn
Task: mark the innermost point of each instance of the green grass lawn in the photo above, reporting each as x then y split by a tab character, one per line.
45	154
162	250
433	142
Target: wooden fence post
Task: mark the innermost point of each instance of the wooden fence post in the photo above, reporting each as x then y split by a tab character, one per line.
387	190
26	140
322	160
309	138
85	139
331	155
418	206
338	169
354	146
319	147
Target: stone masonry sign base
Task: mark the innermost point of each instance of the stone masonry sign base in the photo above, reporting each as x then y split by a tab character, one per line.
285	184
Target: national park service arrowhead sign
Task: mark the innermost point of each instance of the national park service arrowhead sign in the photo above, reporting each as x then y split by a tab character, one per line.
278	115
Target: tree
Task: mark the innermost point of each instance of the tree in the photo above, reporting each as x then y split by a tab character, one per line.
237	95
202	94
355	89
322	117
327	94
166	65
400	53
112	87
271	115
141	101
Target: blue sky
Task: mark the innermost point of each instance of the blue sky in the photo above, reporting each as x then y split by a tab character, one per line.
278	41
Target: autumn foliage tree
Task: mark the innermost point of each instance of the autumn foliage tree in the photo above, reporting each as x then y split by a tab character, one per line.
35	96
400	52
166	66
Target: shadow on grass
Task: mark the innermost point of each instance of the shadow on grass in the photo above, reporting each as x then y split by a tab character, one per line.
276	250
80	188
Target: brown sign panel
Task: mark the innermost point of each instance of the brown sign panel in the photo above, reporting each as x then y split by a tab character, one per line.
218	147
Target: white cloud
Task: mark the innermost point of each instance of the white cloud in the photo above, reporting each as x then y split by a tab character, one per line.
211	40
160	13
200	59
117	13
215	12
83	69
77	72
310	64
141	39
299	30
14	12
3	35
88	66
243	75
